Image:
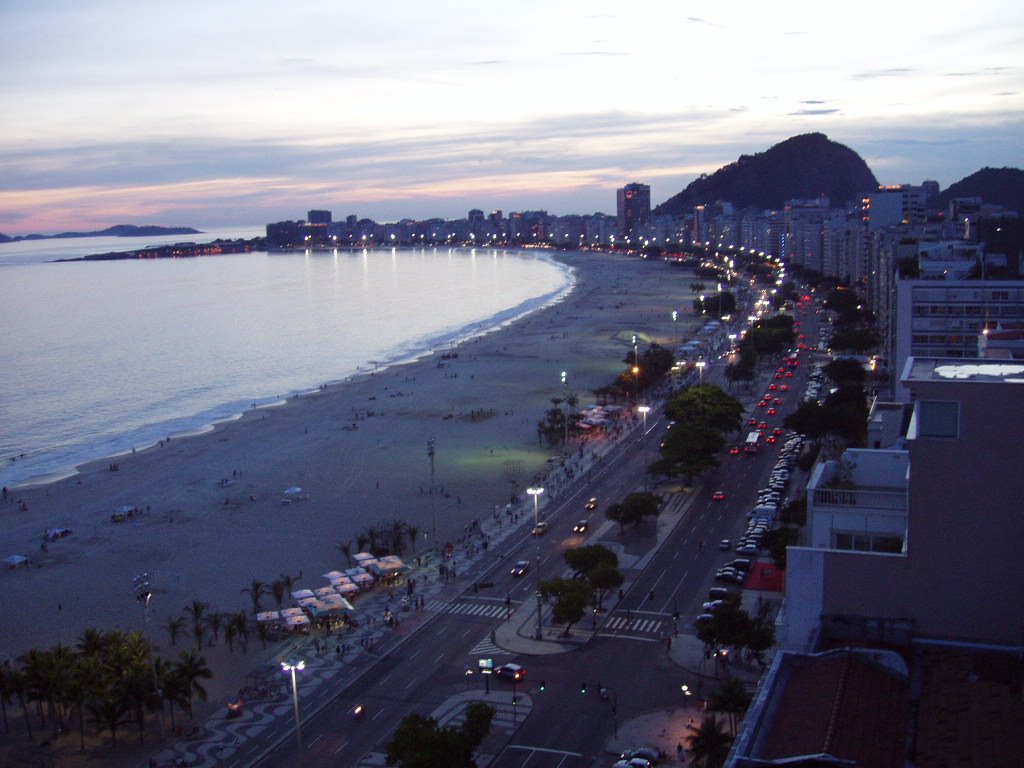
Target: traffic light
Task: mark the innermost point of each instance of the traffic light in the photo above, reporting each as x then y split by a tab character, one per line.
583	687
543	685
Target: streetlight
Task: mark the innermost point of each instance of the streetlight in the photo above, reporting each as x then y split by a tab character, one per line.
293	667
565	445
603	691
700	370
643	437
535	492
644	410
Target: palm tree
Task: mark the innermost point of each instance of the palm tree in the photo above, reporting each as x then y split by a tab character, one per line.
413	532
263	634
135	687
256	590
17	684
193	668
397	534
710	744
289	582
92	642
361	541
215	622
85	677
731	698
109	710
5	693
278	589
197	611
346	549
175	626
229	635
241	622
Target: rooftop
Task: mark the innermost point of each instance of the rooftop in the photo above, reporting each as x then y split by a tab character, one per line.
952	369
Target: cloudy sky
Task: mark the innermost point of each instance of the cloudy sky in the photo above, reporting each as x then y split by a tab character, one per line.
219	113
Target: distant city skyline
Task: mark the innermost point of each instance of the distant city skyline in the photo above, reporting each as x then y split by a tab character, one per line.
216	114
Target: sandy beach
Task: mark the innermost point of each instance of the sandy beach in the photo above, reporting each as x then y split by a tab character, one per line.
358	450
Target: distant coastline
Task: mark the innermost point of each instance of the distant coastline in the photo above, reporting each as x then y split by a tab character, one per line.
179	250
118	230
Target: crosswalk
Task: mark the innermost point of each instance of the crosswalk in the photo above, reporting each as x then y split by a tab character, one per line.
483	610
620	622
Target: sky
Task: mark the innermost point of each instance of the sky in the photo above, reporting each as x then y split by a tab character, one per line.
213	113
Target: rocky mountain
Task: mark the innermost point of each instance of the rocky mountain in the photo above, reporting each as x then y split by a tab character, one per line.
118	230
801	167
1001	186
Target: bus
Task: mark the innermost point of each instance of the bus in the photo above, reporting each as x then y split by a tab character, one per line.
751	444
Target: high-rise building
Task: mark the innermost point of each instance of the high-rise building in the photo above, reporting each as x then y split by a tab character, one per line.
318	217
633	205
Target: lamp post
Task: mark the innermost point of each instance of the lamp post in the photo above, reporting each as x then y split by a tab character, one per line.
700	371
675	327
292	667
565	445
433	510
536	492
643	438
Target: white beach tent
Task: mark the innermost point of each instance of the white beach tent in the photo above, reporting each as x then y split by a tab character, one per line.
293	491
298	594
14	561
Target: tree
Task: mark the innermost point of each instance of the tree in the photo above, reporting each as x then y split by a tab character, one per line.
846	371
571	597
192	669
585	559
633	509
175	626
603	578
731	699
762	633
419	742
346	550
708	405
856	339
710	745
478	723
688	450
256	590
776	541
277	589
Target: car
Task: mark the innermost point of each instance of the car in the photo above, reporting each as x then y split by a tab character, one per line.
779	375
521	568
784	387
703	618
731	576
777	431
777	401
747	549
713	605
740	564
752	421
734	451
539	529
723	545
762	404
581	526
789	375
770	439
591	504
720	593
718	495
513	672
633	762
771	412
764	424
773	387
649	754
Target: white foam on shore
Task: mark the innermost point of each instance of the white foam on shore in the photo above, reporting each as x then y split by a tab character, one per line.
152	435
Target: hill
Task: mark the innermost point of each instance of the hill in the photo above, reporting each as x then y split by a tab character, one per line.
1001	186
801	167
118	230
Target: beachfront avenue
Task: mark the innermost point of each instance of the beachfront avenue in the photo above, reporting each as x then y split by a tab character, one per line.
642	647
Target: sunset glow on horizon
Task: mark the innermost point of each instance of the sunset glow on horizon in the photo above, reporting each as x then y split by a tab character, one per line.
220	113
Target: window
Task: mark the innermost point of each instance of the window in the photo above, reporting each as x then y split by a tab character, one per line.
938	418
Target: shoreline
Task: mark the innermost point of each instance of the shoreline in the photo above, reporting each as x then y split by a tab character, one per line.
196	424
358	450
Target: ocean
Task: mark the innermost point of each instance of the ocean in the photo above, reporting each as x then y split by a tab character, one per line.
99	358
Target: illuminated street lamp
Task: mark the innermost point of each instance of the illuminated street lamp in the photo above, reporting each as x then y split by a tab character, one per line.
535	492
644	410
700	371
292	667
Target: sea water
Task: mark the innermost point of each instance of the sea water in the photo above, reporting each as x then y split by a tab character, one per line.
102	357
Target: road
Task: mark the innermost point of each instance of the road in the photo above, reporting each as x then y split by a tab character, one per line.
561	726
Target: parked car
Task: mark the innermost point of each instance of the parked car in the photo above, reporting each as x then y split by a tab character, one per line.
723	545
647	753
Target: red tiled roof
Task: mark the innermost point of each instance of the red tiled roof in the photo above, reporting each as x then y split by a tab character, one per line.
844	705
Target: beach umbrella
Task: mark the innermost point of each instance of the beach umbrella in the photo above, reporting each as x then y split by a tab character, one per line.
292	491
301	593
332	575
325	591
362	557
14	560
265	616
